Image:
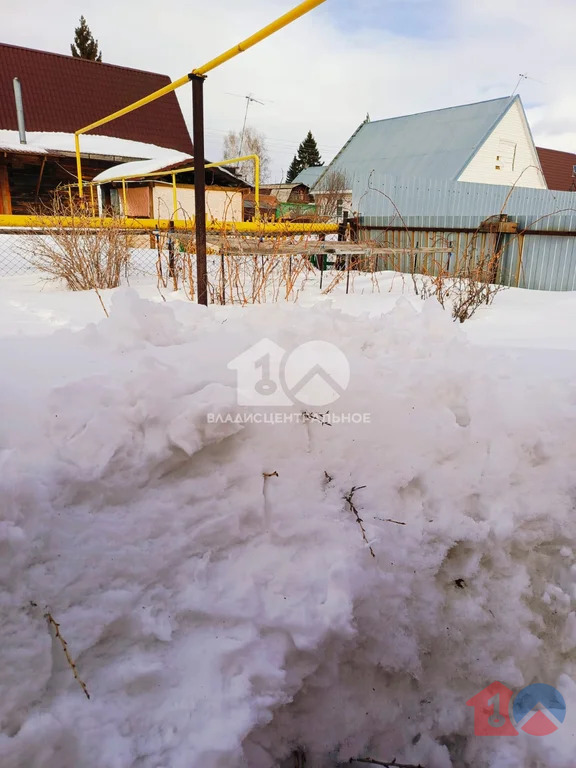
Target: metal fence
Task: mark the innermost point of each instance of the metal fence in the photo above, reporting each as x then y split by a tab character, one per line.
463	218
19	251
241	269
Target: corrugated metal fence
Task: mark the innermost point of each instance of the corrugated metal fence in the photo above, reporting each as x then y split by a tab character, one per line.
420	213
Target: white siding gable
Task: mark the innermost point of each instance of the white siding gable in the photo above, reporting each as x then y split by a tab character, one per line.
507	152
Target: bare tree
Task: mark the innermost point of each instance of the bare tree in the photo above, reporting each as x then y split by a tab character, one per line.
250	142
332	194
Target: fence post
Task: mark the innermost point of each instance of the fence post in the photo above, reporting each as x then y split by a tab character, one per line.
199	187
223	270
347	272
171	260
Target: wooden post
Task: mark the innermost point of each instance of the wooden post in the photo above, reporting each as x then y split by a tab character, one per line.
5	198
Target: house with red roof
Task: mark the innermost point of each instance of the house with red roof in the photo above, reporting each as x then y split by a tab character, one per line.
559	169
58	95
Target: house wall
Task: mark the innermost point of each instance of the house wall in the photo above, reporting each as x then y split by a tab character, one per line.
508	156
327	204
221	204
138	201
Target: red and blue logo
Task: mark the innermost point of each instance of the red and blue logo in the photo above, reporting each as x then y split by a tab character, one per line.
538	710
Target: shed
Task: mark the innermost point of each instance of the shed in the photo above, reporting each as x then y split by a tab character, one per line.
165	189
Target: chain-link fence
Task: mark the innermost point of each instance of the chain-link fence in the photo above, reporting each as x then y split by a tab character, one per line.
241	269
81	258
20	249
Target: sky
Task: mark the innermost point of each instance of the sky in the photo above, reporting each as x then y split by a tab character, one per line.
329	69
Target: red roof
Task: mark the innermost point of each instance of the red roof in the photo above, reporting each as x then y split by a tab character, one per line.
63	94
558	168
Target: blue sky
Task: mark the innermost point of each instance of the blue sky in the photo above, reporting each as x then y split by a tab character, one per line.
407	18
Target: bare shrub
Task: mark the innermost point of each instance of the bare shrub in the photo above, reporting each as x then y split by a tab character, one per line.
472	285
331	194
67	247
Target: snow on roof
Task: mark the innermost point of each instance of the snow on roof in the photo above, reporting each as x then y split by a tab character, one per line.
39	143
143	167
170	161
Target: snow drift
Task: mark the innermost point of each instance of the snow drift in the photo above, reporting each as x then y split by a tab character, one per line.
223	617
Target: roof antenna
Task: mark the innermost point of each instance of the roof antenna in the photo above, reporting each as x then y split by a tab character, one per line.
525	77
249	99
520	78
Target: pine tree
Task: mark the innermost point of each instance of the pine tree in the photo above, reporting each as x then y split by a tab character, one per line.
293	170
84	45
307	156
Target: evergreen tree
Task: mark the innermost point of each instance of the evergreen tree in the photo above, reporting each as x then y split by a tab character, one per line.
293	170
307	156
84	45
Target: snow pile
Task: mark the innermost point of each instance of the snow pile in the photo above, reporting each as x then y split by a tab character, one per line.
222	615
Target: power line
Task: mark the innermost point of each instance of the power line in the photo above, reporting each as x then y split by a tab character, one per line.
270	139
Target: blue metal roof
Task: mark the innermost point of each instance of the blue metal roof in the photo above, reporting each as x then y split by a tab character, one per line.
309	176
433	145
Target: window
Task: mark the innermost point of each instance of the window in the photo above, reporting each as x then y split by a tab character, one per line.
339	208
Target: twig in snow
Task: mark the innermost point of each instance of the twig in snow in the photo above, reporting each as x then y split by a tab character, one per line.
321	418
385	763
64	644
389	520
270	474
101	302
349	499
327	478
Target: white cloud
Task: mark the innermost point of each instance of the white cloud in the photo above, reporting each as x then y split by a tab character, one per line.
321	76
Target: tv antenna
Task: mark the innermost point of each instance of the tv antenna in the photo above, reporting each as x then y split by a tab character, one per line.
249	100
524	76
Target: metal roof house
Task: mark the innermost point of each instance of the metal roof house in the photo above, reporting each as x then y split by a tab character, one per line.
559	169
487	142
61	94
309	176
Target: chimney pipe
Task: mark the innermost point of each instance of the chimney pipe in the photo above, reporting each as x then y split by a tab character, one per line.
19	110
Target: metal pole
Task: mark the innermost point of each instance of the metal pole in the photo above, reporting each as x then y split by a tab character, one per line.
19	110
171	259
347	272
199	188
223	271
283	21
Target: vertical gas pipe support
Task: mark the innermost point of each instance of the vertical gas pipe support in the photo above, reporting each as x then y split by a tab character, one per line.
199	187
174	198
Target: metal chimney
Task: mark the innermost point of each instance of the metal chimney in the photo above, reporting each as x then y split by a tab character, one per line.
19	110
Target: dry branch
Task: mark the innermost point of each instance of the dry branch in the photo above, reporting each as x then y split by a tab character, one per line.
349	500
64	644
385	763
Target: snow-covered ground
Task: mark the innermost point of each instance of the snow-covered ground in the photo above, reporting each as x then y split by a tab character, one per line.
213	585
